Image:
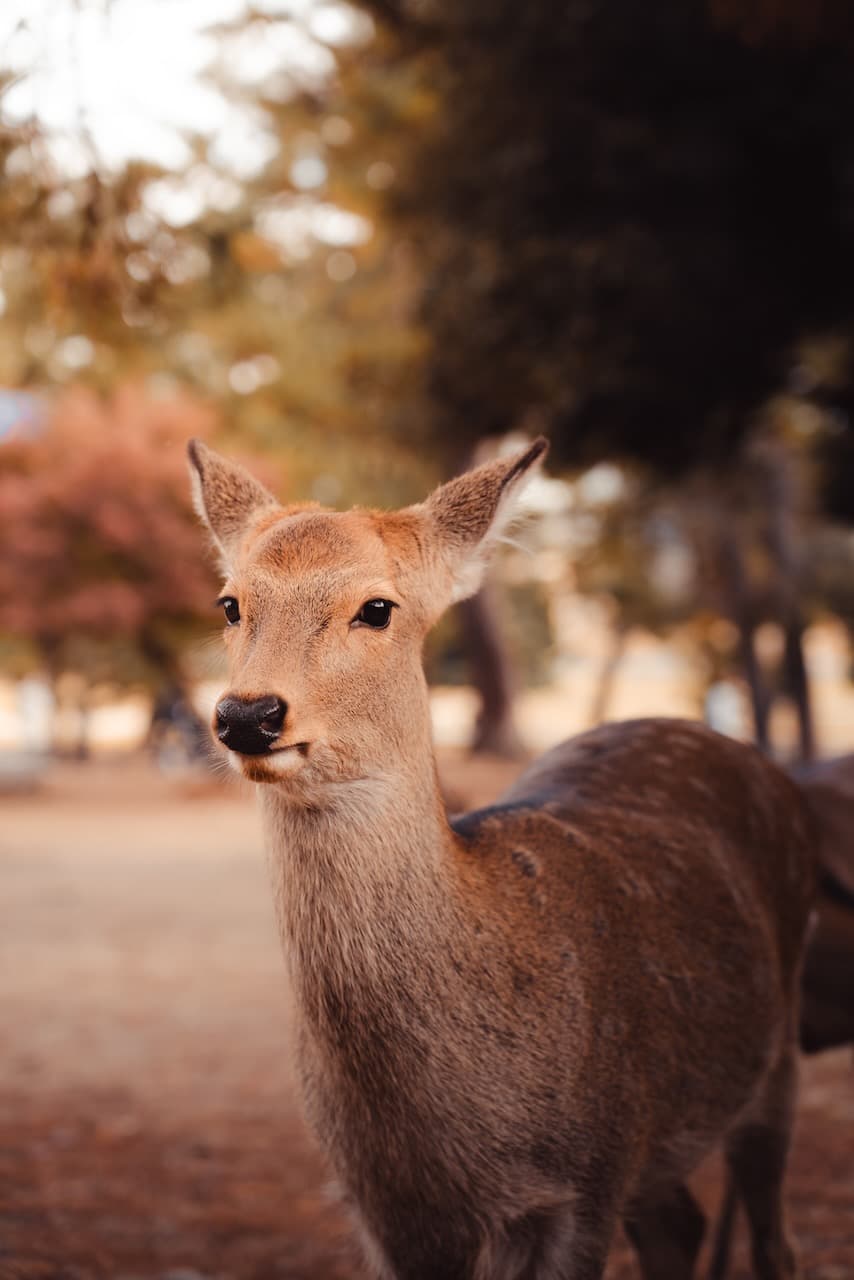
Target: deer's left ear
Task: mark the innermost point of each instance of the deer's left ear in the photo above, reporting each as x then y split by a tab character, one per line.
226	496
467	516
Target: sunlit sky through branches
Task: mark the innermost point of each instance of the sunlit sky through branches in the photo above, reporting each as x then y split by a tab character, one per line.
113	80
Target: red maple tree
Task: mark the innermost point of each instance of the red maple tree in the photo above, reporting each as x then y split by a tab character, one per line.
99	540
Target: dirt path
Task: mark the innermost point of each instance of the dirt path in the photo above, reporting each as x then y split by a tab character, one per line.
148	1123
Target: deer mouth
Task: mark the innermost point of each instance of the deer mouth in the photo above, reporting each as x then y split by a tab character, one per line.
276	764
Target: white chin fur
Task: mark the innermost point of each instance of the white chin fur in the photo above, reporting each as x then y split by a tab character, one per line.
267	768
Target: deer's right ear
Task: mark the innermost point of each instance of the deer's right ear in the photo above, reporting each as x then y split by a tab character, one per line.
225	495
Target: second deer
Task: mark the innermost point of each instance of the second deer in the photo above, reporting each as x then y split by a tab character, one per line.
521	1027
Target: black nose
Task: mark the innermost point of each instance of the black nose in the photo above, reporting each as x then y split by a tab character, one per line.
250	726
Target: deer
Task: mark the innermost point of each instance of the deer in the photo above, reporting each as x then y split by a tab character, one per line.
518	1028
827	983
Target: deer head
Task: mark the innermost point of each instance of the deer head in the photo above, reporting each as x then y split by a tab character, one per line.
326	613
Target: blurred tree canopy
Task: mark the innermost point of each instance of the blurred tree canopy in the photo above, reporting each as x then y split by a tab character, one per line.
102	567
277	292
635	226
629	226
631	218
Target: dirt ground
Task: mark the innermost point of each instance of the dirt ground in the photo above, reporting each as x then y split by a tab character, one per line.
149	1127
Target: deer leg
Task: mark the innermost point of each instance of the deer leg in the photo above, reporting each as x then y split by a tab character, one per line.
722	1245
756	1152
568	1243
666	1230
594	1217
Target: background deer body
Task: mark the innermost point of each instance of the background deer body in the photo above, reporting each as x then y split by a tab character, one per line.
519	1028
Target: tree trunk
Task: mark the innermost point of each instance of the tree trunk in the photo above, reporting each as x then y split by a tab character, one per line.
49	652
490	667
760	701
604	690
740	608
492	676
784	544
797	685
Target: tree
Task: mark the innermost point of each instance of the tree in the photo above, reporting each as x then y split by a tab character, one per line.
628	220
102	567
634	224
628	225
281	295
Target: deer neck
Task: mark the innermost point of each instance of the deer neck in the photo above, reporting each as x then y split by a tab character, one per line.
360	882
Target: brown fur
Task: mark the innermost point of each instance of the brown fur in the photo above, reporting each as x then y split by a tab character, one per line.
519	1027
827	984
827	996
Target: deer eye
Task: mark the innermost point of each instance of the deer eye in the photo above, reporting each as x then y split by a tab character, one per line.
376	614
231	609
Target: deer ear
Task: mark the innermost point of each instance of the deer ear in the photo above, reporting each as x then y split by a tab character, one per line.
225	495
467	516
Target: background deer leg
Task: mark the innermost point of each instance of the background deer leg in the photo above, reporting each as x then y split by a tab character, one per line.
757	1153
722	1246
666	1230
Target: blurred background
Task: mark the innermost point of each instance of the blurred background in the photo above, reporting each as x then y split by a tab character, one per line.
362	246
